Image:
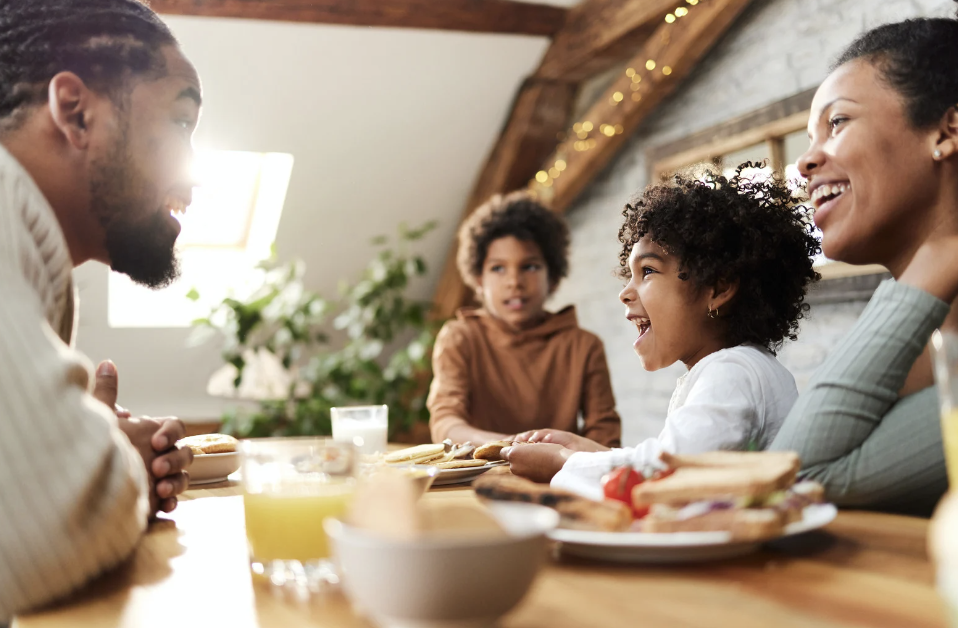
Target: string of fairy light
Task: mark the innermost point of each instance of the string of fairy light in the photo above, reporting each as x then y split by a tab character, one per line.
583	130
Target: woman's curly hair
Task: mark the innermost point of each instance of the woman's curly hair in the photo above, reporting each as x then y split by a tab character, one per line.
516	215
745	229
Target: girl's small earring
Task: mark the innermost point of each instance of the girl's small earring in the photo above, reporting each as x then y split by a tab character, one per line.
937	154
713	313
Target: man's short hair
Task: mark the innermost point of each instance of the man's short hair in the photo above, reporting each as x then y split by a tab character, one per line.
104	42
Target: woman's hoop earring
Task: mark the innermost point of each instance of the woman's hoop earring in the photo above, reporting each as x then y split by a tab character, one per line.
937	154
713	313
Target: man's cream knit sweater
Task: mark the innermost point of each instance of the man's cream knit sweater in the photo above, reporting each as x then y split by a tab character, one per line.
73	490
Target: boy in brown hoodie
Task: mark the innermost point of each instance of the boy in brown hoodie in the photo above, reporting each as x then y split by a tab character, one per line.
511	366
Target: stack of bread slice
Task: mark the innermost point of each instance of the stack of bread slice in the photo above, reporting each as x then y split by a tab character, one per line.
753	495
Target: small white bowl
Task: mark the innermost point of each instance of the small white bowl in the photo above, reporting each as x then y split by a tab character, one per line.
209	468
444	583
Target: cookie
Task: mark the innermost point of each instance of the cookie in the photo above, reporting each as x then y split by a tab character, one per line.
418	454
491	451
460	464
210	443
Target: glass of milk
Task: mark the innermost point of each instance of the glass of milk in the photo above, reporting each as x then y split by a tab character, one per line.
365	427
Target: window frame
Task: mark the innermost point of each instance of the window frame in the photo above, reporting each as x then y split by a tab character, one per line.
770	124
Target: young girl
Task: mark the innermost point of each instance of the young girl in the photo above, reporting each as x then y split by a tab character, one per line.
717	271
511	365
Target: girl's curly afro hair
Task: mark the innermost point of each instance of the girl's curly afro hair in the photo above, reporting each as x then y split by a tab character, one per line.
744	229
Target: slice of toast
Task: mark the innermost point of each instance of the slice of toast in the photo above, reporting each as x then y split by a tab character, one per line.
783	459
576	512
585	514
690	484
744	524
508	487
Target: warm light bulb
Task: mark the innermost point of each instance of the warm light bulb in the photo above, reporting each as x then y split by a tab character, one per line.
681	12
666	70
650	64
560	165
542	176
586	126
669	18
630	72
617	97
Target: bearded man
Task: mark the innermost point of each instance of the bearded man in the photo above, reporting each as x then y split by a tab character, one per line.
97	110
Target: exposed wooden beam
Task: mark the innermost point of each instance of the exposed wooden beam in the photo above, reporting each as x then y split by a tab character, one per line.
600	33
668	57
482	16
540	111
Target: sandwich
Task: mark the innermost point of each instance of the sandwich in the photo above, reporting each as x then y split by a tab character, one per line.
753	495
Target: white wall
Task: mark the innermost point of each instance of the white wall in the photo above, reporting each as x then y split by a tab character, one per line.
386	125
777	49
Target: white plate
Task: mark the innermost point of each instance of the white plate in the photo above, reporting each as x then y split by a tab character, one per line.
676	547
460	476
209	468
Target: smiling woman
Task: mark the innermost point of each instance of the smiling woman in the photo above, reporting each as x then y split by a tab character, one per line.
882	170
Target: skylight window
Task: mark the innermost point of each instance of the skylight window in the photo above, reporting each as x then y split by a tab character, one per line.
228	229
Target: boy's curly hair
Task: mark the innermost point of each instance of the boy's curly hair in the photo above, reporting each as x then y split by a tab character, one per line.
741	228
516	215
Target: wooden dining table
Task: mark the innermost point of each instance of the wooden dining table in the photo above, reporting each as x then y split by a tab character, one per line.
863	569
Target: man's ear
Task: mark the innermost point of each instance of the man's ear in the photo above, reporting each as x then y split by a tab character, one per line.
722	293
71	102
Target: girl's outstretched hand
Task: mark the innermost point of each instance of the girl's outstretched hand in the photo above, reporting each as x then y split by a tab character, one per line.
538	462
560	437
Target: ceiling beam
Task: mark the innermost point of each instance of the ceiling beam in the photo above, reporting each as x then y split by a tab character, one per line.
540	111
671	54
480	16
600	33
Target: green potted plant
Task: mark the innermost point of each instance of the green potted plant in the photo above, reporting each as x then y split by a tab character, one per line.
279	353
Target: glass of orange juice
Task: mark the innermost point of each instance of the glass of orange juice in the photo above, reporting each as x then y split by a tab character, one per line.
290	485
945	345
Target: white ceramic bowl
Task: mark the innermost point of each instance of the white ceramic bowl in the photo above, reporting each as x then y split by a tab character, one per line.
209	468
444	583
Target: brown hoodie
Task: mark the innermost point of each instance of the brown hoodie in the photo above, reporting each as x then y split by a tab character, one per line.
497	379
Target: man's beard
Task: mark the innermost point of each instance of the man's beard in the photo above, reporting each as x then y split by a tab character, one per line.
139	243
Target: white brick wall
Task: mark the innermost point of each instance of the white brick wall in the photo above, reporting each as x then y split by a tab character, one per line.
777	48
